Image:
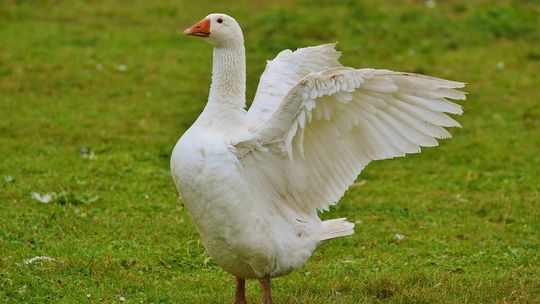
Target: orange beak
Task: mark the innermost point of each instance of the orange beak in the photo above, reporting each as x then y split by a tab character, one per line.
200	29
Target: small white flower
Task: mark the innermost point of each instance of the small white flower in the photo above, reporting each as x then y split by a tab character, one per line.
146	196
431	3
399	236
10	179
122	68
122	299
88	295
500	65
45	198
99	66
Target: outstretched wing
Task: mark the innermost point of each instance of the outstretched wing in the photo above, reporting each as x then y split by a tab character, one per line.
283	72
331	124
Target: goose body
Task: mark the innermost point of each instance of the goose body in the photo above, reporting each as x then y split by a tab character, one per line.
245	238
254	180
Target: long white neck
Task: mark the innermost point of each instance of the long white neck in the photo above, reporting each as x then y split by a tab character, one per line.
227	97
229	77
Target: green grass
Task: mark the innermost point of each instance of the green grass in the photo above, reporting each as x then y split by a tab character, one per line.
469	210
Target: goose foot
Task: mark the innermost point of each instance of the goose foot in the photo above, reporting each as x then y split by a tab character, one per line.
240	291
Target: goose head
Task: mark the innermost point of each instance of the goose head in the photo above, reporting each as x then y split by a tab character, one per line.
218	29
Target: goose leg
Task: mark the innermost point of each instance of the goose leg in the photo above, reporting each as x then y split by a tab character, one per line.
240	291
266	289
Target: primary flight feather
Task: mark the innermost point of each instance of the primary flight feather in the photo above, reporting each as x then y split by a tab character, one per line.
254	180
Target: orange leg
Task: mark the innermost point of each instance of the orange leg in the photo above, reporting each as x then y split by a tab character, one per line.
266	289
240	291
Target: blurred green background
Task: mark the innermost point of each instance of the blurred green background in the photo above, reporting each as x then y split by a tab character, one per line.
94	95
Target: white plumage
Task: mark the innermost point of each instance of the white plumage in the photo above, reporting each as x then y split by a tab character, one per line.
253	181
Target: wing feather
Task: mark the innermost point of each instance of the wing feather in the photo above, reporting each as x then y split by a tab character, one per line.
333	122
283	73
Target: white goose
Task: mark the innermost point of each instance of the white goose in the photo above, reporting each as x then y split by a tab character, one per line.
254	180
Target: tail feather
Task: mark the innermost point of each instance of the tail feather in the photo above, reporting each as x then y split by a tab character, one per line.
336	228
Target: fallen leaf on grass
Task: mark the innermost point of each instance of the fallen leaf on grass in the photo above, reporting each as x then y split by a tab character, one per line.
456	270
37	259
86	152
360	183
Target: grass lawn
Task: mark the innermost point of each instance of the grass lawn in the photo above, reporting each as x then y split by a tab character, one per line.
94	95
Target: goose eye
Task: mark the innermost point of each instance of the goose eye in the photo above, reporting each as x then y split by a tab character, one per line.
220	20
